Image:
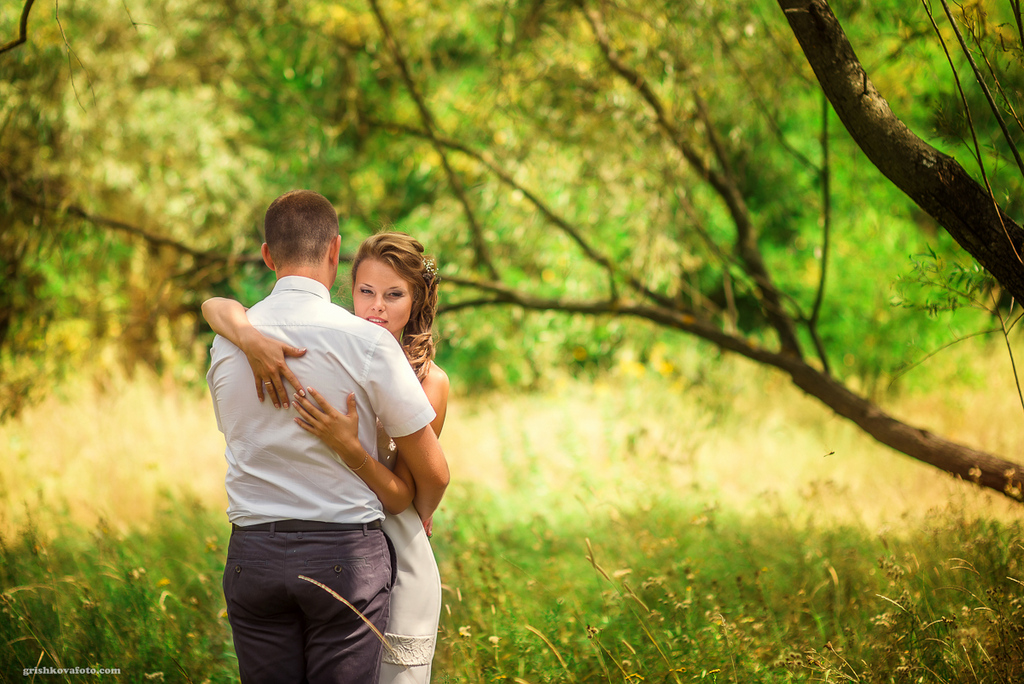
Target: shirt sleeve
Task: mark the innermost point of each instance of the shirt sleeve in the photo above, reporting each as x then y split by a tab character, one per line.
210	380
394	390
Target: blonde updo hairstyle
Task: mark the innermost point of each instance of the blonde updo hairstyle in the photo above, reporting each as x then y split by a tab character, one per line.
405	254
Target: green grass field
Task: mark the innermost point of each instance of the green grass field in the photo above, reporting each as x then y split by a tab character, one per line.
642	528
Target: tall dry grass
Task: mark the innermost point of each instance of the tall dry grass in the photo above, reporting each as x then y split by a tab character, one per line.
109	450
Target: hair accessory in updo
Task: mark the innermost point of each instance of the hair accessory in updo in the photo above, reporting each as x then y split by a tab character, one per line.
429	270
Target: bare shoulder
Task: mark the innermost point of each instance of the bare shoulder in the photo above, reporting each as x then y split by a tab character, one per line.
436	386
436	383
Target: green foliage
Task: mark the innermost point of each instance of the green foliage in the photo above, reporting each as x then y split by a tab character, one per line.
137	158
939	284
669	593
115	147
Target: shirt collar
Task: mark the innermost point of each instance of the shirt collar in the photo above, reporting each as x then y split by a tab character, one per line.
302	284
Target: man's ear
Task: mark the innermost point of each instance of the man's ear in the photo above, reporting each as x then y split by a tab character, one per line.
267	259
335	251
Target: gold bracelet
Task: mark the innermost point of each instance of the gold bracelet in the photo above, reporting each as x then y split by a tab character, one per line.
366	457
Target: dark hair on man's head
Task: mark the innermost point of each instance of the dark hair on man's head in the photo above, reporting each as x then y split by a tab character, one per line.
298	227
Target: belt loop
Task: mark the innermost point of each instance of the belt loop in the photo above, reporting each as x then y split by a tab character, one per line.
365	533
273	527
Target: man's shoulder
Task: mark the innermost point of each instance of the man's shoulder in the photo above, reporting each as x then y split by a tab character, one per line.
300	309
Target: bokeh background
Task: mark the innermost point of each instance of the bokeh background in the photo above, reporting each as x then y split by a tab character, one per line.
641	212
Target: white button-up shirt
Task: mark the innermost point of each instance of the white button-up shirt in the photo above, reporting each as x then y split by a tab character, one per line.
277	470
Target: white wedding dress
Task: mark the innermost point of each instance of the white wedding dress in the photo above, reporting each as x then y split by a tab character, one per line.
416	597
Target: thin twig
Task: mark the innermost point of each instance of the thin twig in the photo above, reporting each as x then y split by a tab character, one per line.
573	232
1009	347
70	52
826	209
999	85
1015	4
906	369
984	86
479	244
970	120
355	610
1015	322
135	24
960	88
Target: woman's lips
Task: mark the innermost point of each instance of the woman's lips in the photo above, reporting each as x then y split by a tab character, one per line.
379	321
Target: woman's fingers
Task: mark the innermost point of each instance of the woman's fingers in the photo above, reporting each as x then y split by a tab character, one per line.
308	409
270	385
287	372
310	418
268	359
319	398
329	410
282	374
276	391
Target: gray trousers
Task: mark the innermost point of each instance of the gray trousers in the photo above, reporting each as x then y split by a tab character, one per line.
287	629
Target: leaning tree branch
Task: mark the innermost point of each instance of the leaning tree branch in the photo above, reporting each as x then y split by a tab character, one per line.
22	29
965	463
479	244
746	235
200	256
934	181
573	232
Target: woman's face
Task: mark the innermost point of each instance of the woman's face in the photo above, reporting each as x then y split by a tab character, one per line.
381	296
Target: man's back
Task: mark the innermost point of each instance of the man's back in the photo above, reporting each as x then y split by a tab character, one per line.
277	470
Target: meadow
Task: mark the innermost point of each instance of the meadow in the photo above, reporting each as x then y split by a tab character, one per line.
687	519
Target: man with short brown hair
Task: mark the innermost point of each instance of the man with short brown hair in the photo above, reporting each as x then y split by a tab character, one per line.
295	509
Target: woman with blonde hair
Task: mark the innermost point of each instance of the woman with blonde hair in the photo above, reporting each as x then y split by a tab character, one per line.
395	286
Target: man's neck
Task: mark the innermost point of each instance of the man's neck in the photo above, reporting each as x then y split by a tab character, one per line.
318	274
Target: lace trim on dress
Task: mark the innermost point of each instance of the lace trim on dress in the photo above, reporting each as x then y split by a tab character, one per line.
409	650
